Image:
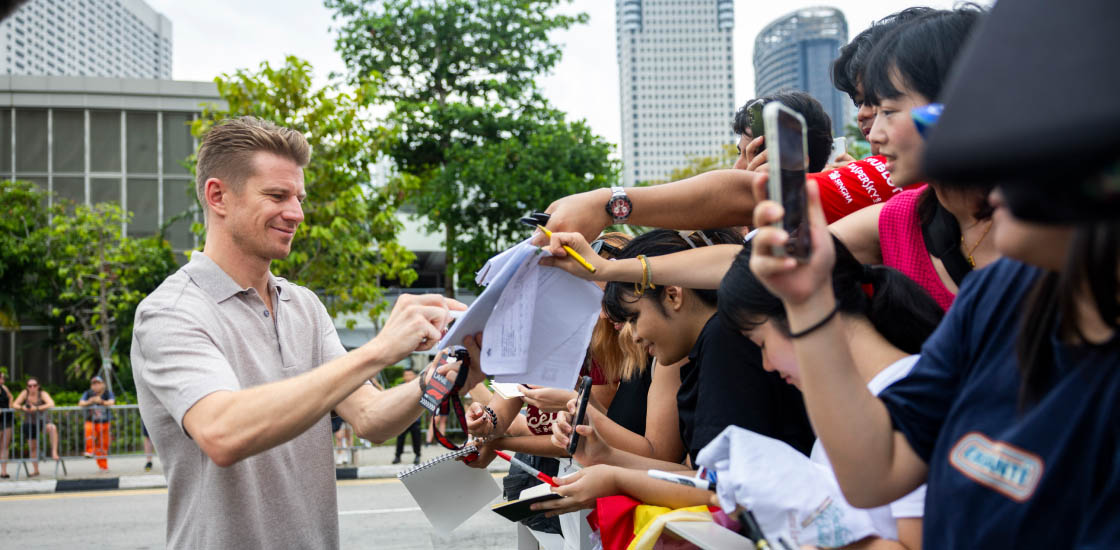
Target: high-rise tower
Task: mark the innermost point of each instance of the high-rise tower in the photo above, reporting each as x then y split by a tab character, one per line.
114	38
795	52
676	82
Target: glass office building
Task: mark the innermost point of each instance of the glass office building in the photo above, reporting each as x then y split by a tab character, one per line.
122	38
795	52
676	83
93	140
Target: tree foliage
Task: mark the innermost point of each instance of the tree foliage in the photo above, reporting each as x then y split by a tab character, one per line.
346	247
22	247
698	165
460	76
487	188
98	277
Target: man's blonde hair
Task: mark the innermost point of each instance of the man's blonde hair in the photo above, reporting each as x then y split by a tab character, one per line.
227	151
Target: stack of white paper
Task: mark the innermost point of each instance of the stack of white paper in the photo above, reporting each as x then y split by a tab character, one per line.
536	321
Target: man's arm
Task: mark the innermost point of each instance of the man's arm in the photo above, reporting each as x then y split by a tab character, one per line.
720	198
231	425
379	415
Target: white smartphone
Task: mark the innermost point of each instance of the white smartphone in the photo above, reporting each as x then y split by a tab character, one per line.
789	159
839	147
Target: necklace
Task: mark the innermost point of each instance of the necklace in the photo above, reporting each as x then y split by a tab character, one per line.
968	255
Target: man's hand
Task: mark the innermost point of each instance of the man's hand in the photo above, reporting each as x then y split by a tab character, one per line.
580	213
756	156
416	323
840	162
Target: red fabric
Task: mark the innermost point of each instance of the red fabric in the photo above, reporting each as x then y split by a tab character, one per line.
900	239
613	518
596	374
857	185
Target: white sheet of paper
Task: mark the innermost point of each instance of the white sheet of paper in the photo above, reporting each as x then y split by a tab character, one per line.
498	275
555	336
536	321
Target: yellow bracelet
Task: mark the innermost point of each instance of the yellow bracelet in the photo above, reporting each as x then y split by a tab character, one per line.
640	289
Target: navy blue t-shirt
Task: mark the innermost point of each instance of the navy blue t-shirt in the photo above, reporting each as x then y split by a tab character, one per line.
1047	476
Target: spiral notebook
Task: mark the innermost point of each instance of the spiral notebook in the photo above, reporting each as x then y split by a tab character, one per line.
448	491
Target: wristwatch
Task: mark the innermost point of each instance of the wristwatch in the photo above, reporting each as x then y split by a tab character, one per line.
619	205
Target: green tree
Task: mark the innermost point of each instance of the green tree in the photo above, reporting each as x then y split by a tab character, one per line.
858	146
460	75
540	163
22	247
346	247
698	165
99	276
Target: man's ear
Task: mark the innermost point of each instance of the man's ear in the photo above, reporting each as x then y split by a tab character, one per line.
673	298
216	193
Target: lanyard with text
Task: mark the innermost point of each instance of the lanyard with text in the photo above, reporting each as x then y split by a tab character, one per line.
442	394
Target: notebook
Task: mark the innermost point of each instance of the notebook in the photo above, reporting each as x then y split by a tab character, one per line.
517	510
448	491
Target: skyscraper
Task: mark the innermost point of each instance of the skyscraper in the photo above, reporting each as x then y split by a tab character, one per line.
796	52
114	38
676	82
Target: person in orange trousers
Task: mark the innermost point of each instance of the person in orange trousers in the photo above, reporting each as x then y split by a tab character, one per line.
97	400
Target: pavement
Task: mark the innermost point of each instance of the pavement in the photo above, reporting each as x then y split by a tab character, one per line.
127	472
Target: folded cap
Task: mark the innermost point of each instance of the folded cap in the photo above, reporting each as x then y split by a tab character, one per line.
1032	101
96	378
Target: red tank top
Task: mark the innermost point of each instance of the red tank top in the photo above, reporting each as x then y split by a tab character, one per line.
900	240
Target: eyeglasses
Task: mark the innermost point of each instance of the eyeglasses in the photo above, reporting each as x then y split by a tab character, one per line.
599	245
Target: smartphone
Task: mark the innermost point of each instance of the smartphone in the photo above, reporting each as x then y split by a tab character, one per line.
785	134
581	412
839	147
754	116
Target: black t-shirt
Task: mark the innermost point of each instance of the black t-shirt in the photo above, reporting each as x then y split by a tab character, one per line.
628	408
723	383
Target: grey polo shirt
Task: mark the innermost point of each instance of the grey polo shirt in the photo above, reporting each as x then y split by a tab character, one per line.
199	333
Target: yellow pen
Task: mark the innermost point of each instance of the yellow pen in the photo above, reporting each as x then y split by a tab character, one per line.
575	255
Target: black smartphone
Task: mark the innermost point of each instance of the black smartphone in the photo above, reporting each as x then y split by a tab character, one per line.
754	117
581	412
785	132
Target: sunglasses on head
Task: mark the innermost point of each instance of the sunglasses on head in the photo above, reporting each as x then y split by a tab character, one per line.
599	245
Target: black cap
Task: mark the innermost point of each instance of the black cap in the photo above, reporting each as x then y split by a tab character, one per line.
1033	100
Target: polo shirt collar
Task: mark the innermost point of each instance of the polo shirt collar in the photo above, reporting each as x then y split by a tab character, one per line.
210	277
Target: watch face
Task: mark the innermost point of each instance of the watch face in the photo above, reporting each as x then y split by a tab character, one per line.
620	207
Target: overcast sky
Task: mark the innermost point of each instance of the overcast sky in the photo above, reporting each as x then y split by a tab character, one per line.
211	37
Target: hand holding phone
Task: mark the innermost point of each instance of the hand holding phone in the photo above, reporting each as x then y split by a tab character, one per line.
785	135
581	413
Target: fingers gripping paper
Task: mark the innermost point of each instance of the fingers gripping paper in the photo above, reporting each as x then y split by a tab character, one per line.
536	321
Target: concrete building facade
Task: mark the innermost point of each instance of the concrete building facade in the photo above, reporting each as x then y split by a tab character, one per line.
795	52
117	38
676	82
92	140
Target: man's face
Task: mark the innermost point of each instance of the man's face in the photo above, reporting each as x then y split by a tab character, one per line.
97	386
263	216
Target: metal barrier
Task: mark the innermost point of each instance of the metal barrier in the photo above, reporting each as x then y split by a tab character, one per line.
64	429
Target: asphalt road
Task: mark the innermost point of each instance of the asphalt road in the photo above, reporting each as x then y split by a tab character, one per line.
373	513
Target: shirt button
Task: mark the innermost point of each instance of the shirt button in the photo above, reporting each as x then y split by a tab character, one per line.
266	313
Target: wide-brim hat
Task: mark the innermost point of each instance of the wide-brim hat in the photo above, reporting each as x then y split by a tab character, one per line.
1032	104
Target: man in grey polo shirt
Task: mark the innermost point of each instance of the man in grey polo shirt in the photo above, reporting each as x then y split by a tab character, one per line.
236	370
